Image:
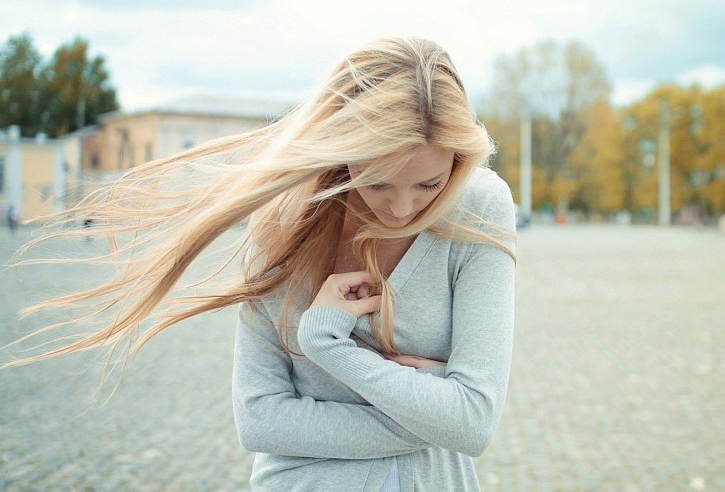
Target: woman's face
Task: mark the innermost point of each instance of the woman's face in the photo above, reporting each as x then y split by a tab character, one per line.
397	202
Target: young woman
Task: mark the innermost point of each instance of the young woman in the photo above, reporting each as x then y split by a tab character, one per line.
376	299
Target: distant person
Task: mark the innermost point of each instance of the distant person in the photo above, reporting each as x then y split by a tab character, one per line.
13	216
87	224
376	302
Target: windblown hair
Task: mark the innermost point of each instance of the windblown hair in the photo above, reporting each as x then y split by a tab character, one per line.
290	180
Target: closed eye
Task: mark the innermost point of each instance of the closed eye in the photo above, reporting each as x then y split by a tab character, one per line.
433	187
426	187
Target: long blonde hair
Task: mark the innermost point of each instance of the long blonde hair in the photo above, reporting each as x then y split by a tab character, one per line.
290	178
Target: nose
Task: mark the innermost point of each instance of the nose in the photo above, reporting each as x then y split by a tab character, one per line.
401	205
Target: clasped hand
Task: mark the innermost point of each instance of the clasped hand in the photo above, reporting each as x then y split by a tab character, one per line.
352	292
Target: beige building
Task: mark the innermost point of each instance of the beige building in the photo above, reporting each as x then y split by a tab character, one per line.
40	176
123	140
33	173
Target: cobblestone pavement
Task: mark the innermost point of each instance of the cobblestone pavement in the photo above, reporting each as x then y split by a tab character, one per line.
617	382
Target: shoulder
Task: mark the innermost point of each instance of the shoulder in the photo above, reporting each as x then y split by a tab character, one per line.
489	197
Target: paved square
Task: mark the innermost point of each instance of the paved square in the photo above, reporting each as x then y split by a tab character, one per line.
617	382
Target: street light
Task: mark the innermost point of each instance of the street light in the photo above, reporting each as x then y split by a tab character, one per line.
525	164
663	147
663	170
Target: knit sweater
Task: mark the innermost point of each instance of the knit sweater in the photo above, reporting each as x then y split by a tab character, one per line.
333	419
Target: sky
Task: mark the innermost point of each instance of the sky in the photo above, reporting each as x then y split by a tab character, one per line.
159	51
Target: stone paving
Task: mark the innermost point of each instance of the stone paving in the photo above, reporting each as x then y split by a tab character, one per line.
617	382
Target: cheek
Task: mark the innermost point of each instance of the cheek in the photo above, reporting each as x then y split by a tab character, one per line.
367	197
427	198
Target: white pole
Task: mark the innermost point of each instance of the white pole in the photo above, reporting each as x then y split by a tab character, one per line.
14	171
58	177
525	164
664	165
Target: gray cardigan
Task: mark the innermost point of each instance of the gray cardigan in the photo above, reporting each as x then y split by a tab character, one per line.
333	420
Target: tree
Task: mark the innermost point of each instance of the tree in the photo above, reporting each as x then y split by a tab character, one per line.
20	64
710	162
595	163
76	89
694	120
554	85
70	92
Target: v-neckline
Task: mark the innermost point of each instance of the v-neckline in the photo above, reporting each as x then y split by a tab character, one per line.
410	260
404	271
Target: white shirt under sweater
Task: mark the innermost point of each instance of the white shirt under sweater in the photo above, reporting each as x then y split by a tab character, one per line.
335	419
392	481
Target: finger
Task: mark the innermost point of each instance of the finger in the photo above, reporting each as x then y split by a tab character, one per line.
406	360
415	361
367	305
346	281
363	291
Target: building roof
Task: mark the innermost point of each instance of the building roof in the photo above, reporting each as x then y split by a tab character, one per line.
219	106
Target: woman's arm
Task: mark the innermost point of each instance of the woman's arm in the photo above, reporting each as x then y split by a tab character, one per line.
461	411
273	418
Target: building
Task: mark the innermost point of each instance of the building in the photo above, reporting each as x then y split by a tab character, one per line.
40	175
123	140
32	174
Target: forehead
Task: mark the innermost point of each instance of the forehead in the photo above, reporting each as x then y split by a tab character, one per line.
427	156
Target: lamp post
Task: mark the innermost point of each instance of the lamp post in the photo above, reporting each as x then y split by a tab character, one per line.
14	170
663	169
525	163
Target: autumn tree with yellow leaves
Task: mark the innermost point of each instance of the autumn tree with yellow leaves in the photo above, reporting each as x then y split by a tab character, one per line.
695	122
600	160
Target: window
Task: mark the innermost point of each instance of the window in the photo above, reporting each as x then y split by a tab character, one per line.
45	192
2	173
95	161
148	152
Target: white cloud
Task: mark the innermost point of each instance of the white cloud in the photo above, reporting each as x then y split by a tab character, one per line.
628	90
159	53
707	76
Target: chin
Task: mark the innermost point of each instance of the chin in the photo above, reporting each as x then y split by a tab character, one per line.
396	225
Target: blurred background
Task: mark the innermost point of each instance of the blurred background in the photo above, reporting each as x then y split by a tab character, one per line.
609	118
602	110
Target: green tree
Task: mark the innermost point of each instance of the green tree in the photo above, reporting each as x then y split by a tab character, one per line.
75	89
20	64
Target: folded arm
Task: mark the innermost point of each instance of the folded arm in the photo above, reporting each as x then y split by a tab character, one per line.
272	417
461	411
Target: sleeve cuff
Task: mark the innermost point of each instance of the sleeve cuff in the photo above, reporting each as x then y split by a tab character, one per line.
320	323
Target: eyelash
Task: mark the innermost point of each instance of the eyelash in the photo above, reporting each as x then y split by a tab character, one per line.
432	187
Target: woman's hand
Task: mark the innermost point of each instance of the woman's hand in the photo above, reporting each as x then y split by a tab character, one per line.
350	292
414	361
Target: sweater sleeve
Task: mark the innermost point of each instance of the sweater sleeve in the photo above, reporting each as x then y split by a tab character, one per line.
271	416
461	411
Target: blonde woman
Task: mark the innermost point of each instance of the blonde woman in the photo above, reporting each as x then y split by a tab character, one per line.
376	299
